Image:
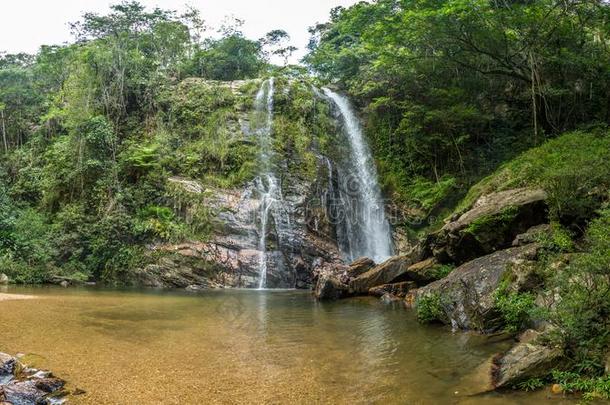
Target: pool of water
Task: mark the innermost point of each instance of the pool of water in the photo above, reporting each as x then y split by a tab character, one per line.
243	346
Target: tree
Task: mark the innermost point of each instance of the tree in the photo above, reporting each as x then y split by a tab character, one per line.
277	42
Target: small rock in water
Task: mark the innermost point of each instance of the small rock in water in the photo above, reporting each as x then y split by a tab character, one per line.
3	279
42	374
64	284
78	391
556	389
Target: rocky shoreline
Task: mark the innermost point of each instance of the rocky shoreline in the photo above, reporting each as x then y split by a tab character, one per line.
23	385
453	275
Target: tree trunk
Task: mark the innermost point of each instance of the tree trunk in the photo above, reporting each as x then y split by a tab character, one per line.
4	140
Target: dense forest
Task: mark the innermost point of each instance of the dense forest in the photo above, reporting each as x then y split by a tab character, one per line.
459	98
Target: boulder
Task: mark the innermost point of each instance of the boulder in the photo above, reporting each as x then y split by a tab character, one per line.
360	266
491	224
424	272
524	361
398	290
3	279
532	235
465	298
330	287
391	271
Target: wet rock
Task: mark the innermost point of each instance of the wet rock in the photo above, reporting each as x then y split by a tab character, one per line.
231	257
491	224
397	290
24	393
64	284
49	384
8	368
391	271
3	279
360	266
466	295
532	235
524	361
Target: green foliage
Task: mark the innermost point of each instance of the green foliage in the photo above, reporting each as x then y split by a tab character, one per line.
583	313
441	271
230	58
451	89
574	169
514	307
592	388
532	384
429	308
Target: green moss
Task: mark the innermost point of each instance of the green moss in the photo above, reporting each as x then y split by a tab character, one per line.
496	224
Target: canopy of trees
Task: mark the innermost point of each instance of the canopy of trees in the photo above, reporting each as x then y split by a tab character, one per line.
452	87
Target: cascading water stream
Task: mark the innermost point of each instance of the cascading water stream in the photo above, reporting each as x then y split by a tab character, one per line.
268	185
364	229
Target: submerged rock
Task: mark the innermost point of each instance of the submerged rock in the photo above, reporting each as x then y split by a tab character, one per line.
465	298
491	224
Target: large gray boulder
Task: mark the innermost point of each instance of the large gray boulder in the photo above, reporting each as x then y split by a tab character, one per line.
491	224
465	298
360	266
331	282
391	271
524	361
528	358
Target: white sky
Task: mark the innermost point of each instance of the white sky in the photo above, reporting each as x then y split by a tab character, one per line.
25	25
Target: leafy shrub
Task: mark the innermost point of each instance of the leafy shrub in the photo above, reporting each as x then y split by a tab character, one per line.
514	307
583	313
592	388
429	308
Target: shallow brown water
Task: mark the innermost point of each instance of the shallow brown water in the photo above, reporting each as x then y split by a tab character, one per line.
239	346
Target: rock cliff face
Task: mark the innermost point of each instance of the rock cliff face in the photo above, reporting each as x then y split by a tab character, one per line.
300	237
231	256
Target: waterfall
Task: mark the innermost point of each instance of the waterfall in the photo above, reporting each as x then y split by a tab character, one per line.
272	210
362	229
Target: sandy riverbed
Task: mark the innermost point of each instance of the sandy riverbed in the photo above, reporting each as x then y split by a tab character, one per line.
12	297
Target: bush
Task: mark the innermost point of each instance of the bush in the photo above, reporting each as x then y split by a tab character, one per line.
429	308
583	313
514	307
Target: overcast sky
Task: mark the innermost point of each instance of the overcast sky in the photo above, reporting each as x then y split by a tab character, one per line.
27	24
